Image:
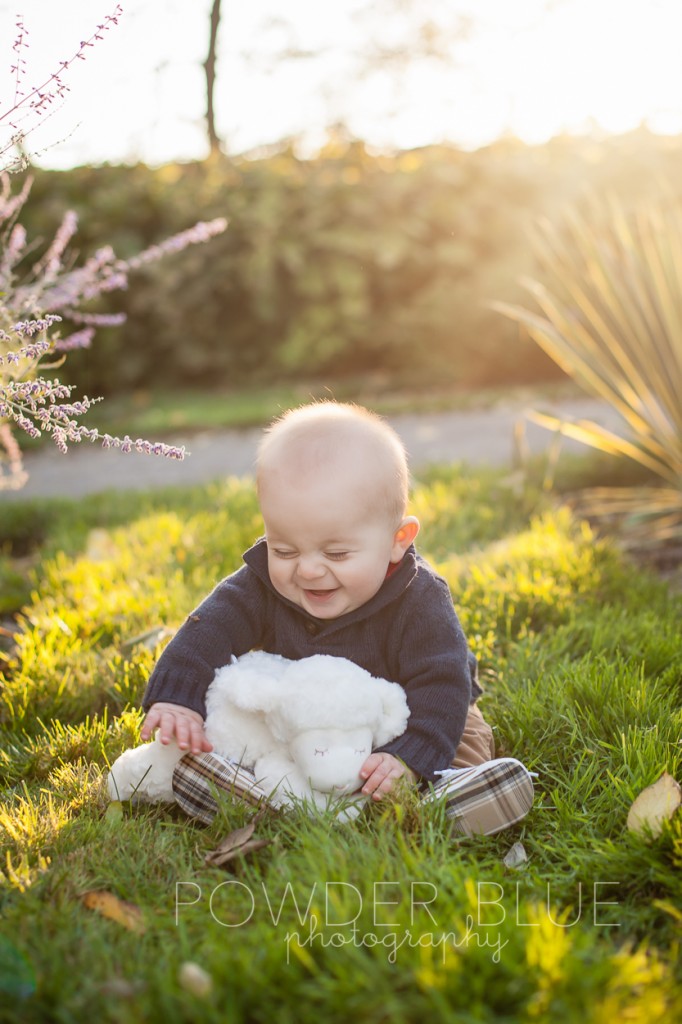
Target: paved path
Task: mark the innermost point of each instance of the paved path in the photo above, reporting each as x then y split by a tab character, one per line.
477	437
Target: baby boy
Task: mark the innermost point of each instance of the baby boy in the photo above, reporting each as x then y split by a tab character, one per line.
336	573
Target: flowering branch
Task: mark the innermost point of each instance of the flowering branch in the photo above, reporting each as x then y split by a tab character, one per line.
50	293
36	102
52	290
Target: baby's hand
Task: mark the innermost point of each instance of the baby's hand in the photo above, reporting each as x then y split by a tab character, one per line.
174	720
381	771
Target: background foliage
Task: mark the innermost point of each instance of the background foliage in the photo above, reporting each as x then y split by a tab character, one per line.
349	263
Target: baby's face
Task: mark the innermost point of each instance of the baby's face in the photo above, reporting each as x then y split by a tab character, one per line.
327	551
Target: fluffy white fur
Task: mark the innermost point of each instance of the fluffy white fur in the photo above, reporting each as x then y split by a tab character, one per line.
304	727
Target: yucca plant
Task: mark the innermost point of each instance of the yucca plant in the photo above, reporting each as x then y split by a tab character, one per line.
611	317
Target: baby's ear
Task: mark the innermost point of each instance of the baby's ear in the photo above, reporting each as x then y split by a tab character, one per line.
404	536
394	712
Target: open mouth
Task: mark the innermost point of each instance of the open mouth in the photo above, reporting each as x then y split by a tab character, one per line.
321	595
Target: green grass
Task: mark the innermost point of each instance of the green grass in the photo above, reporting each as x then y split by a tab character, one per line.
582	669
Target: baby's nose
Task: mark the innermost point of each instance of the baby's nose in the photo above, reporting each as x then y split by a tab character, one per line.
310	568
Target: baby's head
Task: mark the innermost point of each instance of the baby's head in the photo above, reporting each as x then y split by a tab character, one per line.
332	484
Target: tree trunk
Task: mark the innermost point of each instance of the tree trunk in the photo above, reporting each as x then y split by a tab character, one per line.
210	69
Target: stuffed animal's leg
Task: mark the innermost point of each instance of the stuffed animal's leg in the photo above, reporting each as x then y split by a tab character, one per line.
144	773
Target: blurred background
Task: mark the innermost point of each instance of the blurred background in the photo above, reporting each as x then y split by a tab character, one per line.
380	164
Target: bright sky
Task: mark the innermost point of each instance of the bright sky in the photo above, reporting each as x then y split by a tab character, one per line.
533	68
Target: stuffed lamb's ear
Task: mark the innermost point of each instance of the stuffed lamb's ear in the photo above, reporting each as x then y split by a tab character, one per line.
252	682
395	712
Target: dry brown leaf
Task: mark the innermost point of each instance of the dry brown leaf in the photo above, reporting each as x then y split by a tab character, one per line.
654	805
109	905
236	838
241	851
236	844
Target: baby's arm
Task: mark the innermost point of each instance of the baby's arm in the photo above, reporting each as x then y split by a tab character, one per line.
173	720
226	623
432	664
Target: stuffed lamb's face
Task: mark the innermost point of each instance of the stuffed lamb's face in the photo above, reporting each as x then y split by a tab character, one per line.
331	759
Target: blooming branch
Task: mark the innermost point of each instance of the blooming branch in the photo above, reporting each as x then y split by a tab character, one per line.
29	401
34	104
32	306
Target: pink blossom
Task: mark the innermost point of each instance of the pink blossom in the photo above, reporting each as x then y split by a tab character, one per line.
34	351
51	263
96	319
28	328
13	252
201	232
79	339
9	204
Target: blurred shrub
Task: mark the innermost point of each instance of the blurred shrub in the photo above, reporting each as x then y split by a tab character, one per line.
343	265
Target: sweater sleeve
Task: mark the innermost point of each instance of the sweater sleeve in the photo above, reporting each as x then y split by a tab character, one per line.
435	668
228	622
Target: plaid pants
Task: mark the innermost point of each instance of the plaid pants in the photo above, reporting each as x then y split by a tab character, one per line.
482	799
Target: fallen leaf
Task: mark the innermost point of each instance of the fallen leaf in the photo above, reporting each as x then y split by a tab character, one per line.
654	805
236	844
515	856
250	847
121	988
236	838
114	812
195	979
109	905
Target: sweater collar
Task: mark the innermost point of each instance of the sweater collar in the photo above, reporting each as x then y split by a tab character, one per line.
396	582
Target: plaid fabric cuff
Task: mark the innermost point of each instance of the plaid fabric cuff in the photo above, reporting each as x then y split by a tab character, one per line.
198	779
485	798
482	799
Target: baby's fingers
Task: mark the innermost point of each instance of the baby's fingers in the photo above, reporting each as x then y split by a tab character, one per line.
198	740
150	723
170	726
183	730
377	773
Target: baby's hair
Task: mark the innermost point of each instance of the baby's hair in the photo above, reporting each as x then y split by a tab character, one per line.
324	429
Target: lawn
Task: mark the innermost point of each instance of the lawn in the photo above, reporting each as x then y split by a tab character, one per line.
385	919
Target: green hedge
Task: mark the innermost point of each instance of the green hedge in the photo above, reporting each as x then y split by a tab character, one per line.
349	264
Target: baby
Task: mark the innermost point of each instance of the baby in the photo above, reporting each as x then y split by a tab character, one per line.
337	573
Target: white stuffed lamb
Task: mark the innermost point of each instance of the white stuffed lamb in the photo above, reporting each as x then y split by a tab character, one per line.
304	727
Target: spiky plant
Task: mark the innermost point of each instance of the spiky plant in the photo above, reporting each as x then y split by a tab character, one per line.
611	318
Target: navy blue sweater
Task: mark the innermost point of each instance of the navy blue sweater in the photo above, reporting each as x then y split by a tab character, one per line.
407	633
